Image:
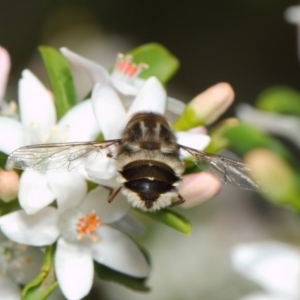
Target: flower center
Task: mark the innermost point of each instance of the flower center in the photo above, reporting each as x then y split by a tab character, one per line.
87	225
125	70
36	134
75	225
58	135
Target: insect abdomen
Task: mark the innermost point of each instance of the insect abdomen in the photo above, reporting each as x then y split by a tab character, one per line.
149	191
149	169
149	180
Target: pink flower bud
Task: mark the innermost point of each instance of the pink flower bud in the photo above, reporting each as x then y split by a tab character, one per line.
9	185
198	187
213	102
207	107
274	176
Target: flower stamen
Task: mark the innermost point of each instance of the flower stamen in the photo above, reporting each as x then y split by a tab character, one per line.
125	70
87	225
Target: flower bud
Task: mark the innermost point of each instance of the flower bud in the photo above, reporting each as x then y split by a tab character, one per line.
207	107
274	176
9	185
198	187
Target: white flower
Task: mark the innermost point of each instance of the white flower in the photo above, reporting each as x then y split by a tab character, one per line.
37	126
274	266
82	235
19	264
124	78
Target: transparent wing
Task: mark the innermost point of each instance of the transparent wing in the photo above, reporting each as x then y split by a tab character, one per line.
227	170
61	156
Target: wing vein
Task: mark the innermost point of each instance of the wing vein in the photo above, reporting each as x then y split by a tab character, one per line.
227	170
60	156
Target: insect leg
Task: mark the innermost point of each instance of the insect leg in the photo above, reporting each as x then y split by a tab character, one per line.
110	189
114	194
179	201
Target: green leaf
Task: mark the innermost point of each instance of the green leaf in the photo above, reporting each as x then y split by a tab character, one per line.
170	218
60	78
8	207
91	185
280	99
3	159
188	119
45	283
244	138
218	141
134	283
162	63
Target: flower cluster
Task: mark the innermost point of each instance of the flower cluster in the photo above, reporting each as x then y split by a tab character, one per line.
84	226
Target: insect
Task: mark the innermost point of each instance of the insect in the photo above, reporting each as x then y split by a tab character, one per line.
147	159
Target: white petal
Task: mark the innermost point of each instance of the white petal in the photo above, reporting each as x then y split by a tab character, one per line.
39	229
109	111
273	265
74	269
150	98
193	140
124	87
111	182
117	251
107	212
9	290
96	72
175	108
103	168
80	123
12	135
261	296
69	188
129	225
36	104
4	71
34	192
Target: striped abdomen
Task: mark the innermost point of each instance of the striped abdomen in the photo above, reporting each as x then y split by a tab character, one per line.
149	179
